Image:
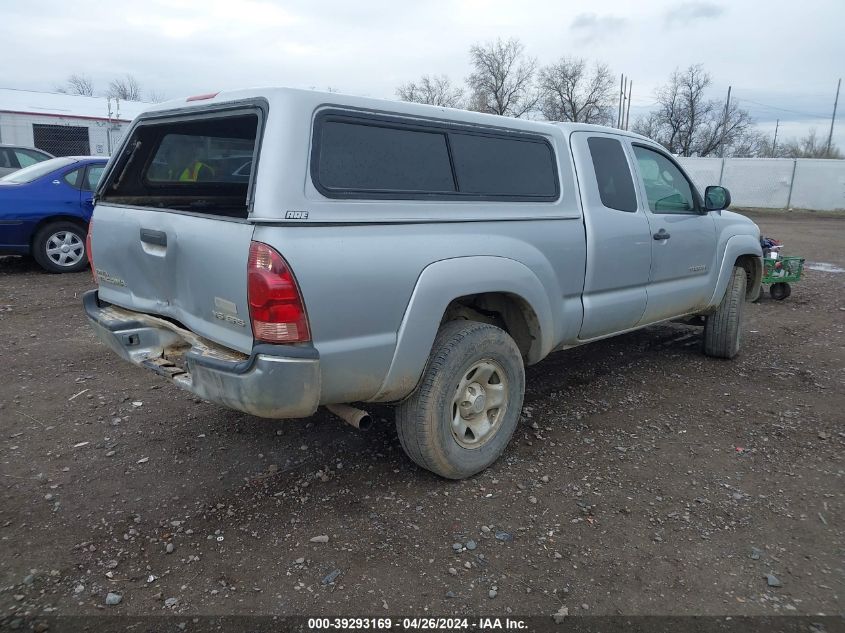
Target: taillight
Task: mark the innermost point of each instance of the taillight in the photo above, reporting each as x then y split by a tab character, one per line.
88	251
275	303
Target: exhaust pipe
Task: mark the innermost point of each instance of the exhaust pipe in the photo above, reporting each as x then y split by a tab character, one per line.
361	420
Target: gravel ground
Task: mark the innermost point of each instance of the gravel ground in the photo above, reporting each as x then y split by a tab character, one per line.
644	479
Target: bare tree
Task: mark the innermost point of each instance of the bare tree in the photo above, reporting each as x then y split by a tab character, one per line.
724	133
571	91
750	144
78	85
687	123
432	89
126	89
809	146
502	81
156	96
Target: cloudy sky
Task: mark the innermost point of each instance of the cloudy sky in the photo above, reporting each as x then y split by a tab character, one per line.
782	58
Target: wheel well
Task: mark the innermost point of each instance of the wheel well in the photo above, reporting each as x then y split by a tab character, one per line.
507	311
753	274
75	219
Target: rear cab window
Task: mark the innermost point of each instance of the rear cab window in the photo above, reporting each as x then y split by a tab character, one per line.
200	162
613	175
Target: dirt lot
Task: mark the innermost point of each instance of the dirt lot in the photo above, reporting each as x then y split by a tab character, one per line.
644	479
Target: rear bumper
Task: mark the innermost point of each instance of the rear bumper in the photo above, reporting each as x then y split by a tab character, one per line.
275	381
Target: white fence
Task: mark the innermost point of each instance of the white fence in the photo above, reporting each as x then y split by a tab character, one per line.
774	183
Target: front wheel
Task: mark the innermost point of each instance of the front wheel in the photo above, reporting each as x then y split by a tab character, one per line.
466	408
723	328
59	247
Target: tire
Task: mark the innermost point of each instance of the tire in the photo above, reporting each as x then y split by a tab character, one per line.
723	328
456	439
755	297
780	291
59	247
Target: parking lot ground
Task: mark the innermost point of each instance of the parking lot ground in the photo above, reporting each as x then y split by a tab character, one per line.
644	478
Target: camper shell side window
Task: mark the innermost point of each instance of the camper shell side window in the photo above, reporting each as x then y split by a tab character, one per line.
363	156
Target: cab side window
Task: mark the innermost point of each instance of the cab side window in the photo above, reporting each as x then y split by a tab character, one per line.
666	187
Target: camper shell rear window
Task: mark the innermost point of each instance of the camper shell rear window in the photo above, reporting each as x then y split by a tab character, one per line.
202	163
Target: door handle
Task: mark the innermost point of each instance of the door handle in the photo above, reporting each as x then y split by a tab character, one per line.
158	238
661	235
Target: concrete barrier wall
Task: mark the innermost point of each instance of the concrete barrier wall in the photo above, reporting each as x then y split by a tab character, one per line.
819	184
703	171
774	183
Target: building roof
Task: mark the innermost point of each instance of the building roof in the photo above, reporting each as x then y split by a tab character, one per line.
62	105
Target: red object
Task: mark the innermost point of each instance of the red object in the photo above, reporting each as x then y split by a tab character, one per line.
207	95
778	265
276	309
88	253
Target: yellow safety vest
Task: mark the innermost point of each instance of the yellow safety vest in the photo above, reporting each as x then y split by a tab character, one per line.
191	173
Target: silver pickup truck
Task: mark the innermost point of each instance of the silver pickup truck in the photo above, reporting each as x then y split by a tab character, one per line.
277	250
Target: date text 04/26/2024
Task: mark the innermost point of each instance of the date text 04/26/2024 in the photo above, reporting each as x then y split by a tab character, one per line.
417	624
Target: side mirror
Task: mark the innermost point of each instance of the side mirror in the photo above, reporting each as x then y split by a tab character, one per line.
716	198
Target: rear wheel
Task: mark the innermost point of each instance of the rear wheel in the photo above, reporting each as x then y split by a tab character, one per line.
465	410
723	328
59	247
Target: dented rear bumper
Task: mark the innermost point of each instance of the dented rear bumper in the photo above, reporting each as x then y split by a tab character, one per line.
274	381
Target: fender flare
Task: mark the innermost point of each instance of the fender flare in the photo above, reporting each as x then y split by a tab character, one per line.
735	247
437	286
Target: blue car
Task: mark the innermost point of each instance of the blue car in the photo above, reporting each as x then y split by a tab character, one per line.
45	209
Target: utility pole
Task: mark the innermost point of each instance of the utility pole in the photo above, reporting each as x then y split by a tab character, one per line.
775	140
621	98
628	113
725	124
110	128
833	117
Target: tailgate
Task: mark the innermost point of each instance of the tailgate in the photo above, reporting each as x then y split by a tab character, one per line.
189	268
170	234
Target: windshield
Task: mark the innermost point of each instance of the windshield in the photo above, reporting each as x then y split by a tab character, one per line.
33	172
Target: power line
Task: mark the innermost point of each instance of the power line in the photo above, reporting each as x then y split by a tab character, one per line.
766	105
